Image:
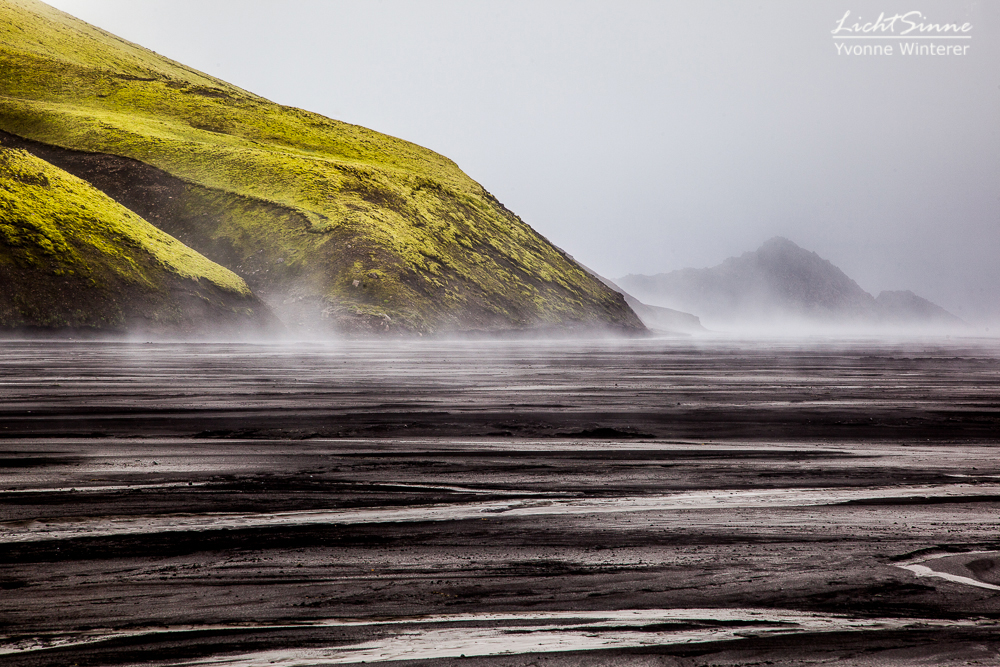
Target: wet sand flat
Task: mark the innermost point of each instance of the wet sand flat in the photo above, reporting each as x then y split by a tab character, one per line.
632	503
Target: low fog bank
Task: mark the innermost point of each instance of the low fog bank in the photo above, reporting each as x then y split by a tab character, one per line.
778	336
768	322
791	328
315	321
782	328
320	337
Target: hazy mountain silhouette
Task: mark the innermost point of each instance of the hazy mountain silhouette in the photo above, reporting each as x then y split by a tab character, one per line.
781	282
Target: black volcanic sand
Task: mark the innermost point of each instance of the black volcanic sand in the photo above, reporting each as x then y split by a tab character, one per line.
310	504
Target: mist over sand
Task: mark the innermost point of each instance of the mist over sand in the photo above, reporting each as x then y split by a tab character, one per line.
691	499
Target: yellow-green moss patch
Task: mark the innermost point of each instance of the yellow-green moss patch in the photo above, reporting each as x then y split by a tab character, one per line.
286	198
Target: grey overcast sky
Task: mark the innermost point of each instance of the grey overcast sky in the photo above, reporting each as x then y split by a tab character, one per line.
643	137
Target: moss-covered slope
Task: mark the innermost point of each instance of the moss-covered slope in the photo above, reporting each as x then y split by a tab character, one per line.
329	222
71	257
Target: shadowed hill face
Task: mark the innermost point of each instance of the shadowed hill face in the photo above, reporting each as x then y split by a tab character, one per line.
333	224
70	257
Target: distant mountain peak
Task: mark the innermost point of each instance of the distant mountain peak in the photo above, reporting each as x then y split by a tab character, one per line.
778	247
782	282
780	243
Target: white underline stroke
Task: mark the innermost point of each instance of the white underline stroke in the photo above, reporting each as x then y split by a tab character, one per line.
901	36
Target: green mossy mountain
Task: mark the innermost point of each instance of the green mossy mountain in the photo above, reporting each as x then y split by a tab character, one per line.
334	225
73	258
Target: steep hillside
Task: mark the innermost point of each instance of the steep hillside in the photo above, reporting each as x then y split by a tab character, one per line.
332	224
71	257
781	283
